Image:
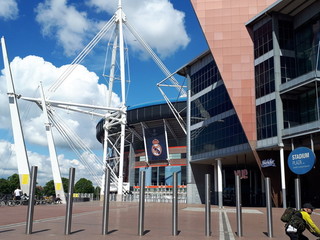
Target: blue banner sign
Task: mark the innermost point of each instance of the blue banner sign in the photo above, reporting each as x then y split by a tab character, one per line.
301	160
156	144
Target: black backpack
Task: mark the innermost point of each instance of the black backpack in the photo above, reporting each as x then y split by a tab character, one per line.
293	217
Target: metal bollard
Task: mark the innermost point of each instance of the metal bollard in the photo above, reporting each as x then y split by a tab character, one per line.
32	190
238	206
208	205
68	220
175	206
269	206
297	187
105	217
141	204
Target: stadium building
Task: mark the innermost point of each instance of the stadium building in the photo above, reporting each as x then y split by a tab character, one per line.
152	117
252	99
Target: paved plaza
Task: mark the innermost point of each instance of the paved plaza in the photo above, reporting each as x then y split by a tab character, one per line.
49	222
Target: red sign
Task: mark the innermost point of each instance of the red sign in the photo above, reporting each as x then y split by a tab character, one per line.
243	174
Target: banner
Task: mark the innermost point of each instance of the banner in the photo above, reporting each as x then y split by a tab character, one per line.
155	143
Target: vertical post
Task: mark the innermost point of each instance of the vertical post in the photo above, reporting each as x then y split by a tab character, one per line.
141	204
269	206
68	220
215	183
283	178
175	205
208	205
105	217
297	187
32	191
220	196
238	206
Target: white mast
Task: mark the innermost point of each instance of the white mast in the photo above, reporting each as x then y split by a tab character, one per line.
20	148
58	186
120	18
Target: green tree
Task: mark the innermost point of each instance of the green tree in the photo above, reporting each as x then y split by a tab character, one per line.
39	192
83	185
13	182
4	186
49	190
65	184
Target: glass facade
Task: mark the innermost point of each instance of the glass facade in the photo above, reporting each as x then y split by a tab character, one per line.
202	108
301	57
262	39
266	120
286	37
162	175
288	68
217	135
204	78
301	108
264	77
211	134
307	46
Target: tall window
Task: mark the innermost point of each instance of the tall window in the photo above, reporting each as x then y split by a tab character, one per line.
205	77
286	35
307	46
266	120
263	39
264	77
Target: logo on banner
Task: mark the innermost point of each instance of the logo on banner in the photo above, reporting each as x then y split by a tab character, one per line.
156	148
268	163
156	144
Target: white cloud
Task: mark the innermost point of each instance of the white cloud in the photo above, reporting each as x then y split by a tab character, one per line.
81	87
63	21
159	24
8	9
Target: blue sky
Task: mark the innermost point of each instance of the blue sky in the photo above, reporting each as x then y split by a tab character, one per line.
43	37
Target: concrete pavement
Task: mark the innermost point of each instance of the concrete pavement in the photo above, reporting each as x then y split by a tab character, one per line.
49	222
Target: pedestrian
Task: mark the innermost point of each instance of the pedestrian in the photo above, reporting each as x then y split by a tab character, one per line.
58	199
17	194
305	214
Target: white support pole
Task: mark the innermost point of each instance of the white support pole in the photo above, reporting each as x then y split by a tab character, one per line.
58	186
121	165
105	156
166	136
283	178
215	182
123	120
112	68
145	143
219	170
20	148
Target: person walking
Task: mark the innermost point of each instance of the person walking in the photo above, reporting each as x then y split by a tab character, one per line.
17	194
305	214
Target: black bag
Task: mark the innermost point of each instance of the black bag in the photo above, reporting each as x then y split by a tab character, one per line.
293	217
287	214
297	222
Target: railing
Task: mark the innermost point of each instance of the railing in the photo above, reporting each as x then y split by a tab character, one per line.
159	194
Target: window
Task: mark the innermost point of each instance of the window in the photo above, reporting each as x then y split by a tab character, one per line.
264	78
266	120
263	39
